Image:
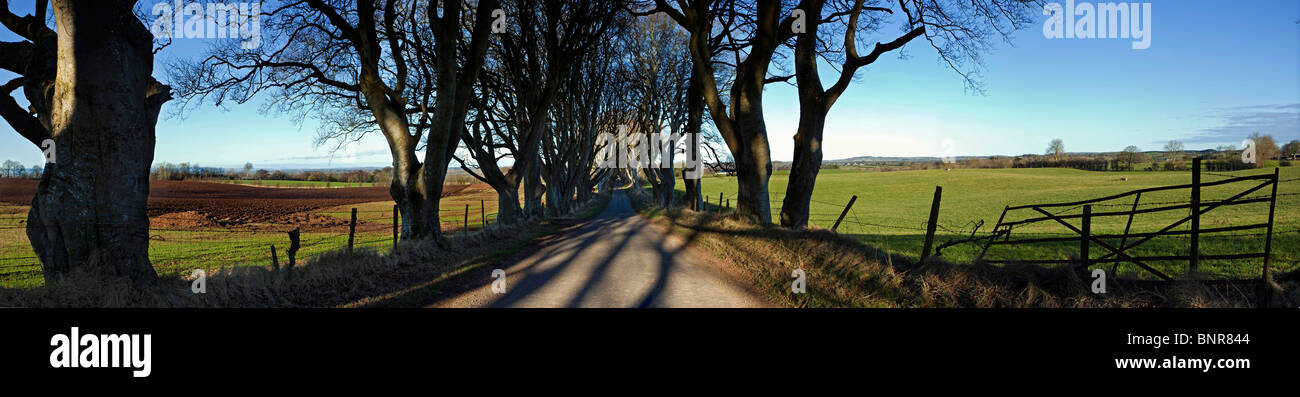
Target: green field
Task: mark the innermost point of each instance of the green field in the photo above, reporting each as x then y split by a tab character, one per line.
182	251
892	208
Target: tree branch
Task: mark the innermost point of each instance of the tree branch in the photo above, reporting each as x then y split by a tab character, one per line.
24	123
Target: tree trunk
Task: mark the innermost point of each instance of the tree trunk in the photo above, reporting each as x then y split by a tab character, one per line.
508	211
754	157
813	105
803	172
743	128
558	197
533	187
688	199
419	211
667	179
667	182
694	122
552	195
89	212
418	191
815	101
753	168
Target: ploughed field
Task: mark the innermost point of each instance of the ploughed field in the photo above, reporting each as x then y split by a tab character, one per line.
202	225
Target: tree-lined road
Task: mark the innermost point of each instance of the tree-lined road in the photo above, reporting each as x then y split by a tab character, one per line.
617	259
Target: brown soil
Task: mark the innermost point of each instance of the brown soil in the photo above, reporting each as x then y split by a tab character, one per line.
190	205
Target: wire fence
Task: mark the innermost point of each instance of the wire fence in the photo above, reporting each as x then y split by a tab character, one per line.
180	249
962	240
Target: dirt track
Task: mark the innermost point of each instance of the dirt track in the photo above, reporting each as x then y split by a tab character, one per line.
617	259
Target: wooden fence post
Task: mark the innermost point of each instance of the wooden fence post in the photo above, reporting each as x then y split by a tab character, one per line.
482	213
1127	227
1194	263
1086	242
293	248
467	218
1264	290
352	230
275	260
395	224
934	220
988	244
719	202
845	212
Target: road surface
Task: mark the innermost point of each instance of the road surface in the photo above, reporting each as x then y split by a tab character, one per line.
617	259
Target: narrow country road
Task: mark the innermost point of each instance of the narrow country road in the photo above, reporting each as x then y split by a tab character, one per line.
617	259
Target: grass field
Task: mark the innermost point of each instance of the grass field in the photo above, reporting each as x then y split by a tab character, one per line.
179	252
892	209
890	214
182	251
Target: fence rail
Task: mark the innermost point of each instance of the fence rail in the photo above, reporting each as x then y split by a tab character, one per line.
182	247
1121	252
1053	227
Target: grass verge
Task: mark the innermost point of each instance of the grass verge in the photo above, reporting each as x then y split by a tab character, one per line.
842	272
892	208
332	279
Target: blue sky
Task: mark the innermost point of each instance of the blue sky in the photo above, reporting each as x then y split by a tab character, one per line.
1213	74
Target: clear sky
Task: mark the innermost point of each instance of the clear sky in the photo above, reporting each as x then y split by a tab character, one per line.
1214	73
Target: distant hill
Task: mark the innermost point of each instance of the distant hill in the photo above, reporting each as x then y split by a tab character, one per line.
333	169
887	159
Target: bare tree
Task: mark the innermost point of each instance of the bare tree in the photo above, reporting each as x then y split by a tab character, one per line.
660	70
1056	149
10	168
527	69
695	132
751	34
959	31
1226	151
1290	149
592	91
1130	156
94	104
1175	150
404	68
